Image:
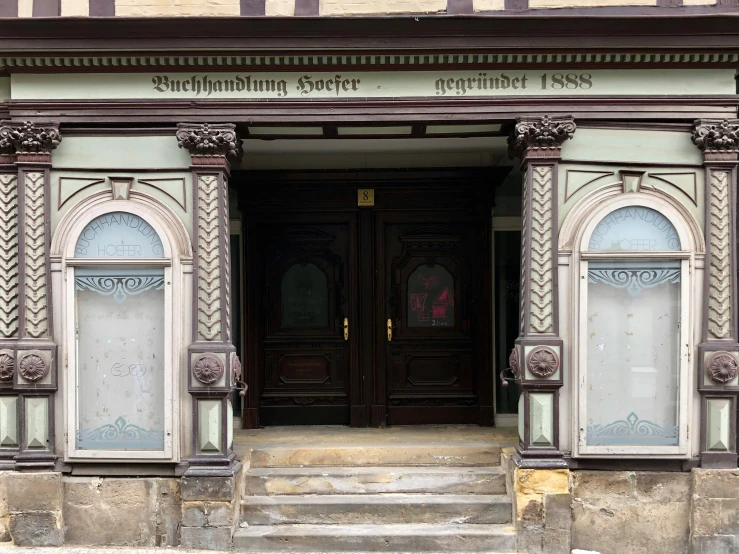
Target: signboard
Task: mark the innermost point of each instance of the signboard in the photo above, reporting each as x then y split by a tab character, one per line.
380	84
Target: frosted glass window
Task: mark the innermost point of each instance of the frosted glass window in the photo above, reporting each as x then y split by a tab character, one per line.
118	235
120	358
633	364
304	297
634	228
431	297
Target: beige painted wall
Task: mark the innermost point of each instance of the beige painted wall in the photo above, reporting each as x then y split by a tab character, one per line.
488	5
279	7
169	8
588	3
350	7
75	8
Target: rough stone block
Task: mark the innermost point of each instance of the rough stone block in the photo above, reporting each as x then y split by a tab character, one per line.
618	524
716	544
558	511
4	514
595	484
169	512
716	483
110	511
541	481
34	492
220	514
206	538
663	486
555	541
193	514
529	539
208	489
36	529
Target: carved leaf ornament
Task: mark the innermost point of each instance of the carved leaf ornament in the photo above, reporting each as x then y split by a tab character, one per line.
722	367
33	367
539	134
27	138
542	362
7	365
210	140
208	369
717	135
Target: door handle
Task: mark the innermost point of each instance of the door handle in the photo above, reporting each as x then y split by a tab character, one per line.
346	328
390	330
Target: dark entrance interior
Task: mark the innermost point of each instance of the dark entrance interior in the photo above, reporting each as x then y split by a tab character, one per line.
374	315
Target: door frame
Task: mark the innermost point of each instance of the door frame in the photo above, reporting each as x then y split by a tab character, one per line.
336	191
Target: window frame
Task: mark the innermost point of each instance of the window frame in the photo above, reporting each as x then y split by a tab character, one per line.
171	355
687	264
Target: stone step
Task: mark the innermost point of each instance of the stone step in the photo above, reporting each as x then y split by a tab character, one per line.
376	509
381	455
372	480
376	538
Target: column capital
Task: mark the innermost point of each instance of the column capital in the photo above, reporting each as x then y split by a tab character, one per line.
210	143
540	137
29	141
718	139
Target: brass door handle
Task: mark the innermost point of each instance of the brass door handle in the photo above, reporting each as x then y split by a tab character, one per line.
390	330
346	328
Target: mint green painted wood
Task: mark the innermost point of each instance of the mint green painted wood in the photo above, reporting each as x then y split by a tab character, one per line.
9	421
209	426
718	424
541	418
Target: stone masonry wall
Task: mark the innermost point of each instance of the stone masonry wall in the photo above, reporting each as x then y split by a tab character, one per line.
631	511
615	512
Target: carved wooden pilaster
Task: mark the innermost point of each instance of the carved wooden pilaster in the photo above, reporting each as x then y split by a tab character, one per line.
212	359
536	358
718	354
24	226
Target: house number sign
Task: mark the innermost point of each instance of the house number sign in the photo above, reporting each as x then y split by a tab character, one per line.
365	197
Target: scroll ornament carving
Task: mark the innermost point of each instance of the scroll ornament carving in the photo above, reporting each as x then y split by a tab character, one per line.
7	366
33	367
8	256
540	282
210	140
36	309
540	134
542	362
28	138
208	369
722	367
209	263
716	135
236	369
513	362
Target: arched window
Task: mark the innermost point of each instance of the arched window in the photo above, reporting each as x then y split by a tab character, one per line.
634	335
119	311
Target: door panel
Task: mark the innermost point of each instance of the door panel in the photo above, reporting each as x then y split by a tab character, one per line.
434	272
303	357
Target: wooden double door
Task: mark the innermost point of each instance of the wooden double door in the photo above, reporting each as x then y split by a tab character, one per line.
368	315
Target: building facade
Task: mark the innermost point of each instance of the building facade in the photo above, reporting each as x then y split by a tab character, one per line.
222	216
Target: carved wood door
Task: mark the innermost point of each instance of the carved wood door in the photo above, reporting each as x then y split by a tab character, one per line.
435	310
302	283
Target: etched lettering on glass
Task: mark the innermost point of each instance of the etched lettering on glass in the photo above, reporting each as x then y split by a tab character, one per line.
119	235
304	297
431	297
634	228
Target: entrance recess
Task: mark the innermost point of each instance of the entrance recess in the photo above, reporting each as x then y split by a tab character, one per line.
368	315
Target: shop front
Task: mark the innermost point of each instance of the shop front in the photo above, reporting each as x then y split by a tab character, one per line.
204	250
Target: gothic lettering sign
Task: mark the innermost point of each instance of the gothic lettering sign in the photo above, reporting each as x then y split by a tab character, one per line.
375	84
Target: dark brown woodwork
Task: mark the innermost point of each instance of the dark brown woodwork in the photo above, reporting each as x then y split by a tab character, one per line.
298	349
448	378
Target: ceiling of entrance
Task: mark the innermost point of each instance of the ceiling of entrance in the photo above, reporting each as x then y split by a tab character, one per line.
341	153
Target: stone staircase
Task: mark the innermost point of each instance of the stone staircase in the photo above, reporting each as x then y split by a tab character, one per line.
385	498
